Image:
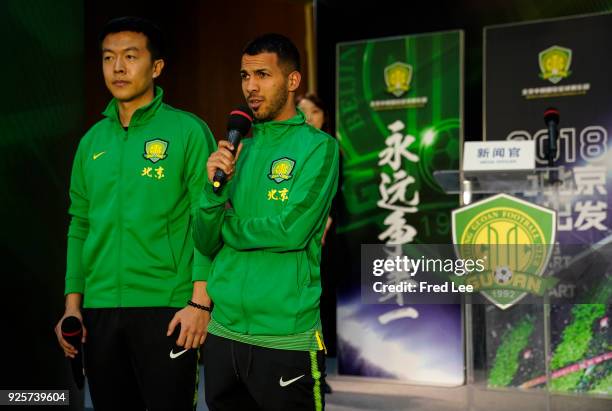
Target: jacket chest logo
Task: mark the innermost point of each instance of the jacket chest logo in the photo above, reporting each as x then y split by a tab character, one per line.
155	150
281	169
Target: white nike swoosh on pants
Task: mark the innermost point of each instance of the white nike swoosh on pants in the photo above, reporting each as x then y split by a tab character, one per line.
178	354
285	383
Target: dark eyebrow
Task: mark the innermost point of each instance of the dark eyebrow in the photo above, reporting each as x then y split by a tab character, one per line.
260	70
125	49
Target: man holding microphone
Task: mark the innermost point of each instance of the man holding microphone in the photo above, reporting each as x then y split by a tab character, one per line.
264	348
131	277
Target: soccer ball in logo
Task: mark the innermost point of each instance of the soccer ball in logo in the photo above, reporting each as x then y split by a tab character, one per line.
503	275
439	151
443	154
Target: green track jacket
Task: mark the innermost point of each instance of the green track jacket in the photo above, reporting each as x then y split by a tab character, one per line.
265	276
129	240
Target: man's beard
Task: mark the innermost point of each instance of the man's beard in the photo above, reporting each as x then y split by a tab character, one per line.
277	104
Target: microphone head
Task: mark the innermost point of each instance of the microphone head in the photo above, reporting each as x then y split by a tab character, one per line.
240	119
71	326
551	114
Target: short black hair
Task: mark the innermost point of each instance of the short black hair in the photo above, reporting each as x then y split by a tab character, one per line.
284	48
155	37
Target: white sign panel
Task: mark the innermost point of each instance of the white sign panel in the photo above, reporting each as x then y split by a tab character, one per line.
499	155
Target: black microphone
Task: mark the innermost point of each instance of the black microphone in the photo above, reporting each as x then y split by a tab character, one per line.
238	125
72	331
551	118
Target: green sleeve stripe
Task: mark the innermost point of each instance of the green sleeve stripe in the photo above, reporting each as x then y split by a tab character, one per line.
317	187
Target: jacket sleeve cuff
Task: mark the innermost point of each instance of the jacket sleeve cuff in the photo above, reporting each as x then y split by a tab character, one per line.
201	271
212	198
74	285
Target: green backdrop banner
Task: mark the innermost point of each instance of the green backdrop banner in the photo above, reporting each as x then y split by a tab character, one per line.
399	111
398	120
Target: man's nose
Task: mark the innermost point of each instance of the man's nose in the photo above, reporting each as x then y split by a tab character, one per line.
119	66
252	84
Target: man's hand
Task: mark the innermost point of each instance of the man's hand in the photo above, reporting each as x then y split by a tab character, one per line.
69	350
223	159
194	323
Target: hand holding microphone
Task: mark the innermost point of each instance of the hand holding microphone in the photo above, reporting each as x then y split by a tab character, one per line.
70	337
221	164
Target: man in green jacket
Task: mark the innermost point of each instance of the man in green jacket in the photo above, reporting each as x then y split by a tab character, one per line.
136	176
264	348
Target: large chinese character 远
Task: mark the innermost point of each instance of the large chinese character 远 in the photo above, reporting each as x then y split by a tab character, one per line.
395	193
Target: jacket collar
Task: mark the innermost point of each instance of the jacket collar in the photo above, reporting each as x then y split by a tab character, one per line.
141	116
272	131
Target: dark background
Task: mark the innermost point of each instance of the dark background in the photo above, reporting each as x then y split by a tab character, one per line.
509	71
387	18
53	92
205	40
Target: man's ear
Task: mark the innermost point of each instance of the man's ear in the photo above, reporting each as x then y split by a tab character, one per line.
158	66
294	80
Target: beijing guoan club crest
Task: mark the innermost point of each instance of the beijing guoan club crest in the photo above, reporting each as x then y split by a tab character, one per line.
515	240
555	63
155	150
281	169
398	77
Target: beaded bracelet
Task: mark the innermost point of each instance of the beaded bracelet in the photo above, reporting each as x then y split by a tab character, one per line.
201	307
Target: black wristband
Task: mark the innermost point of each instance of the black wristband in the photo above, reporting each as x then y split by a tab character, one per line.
201	307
